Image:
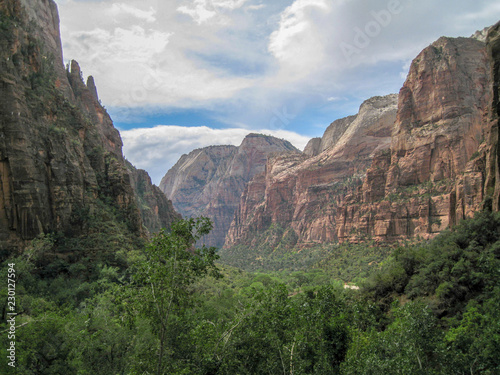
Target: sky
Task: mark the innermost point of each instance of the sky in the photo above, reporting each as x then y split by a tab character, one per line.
176	75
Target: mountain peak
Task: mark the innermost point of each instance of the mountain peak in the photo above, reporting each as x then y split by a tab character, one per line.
210	180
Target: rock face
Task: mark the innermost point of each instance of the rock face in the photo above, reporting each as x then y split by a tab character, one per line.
303	193
209	181
491	152
392	172
156	210
313	146
60	154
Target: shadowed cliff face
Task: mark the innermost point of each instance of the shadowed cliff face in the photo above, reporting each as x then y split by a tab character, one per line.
492	156
209	181
156	210
434	163
59	150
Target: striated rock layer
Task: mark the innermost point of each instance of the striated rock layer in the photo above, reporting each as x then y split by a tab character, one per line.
59	150
491	152
303	193
209	181
435	172
434	162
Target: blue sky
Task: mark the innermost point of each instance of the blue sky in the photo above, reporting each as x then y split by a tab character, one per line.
180	74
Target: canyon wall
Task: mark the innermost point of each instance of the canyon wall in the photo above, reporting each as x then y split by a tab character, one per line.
209	181
302	192
404	169
59	152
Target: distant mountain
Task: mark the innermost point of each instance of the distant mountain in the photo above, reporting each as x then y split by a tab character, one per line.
209	181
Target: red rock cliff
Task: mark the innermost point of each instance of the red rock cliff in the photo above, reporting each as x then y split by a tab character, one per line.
429	164
304	193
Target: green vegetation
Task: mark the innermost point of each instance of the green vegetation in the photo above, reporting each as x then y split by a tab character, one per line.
276	250
161	282
429	308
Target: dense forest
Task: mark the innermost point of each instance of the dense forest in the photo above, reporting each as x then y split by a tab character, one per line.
166	307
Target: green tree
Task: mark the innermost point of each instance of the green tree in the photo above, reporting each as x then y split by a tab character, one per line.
409	345
163	281
474	341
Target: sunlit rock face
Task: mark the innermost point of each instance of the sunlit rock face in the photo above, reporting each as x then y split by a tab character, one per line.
405	167
305	192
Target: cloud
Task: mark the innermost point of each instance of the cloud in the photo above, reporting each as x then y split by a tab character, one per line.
139	63
335	99
483	14
203	10
158	149
296	43
119	9
255	7
198	12
134	44
220	56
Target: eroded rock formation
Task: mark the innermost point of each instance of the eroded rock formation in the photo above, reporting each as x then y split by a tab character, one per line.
209	181
303	193
431	162
59	151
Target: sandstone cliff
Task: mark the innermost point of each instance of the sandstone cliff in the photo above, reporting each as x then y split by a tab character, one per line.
302	193
60	155
209	181
434	163
491	152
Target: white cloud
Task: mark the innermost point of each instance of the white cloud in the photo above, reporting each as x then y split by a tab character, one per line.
158	149
334	99
203	10
137	63
228	4
297	43
198	12
119	9
255	7
224	55
134	44
483	14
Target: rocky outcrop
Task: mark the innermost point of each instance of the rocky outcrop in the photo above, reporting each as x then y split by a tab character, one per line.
304	193
156	210
209	181
313	147
192	181
60	155
491	152
330	137
435	172
334	132
435	161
